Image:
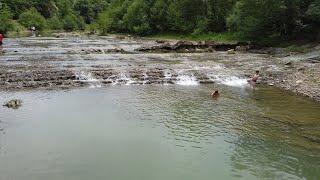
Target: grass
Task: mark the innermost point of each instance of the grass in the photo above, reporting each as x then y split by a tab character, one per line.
297	48
227	37
219	37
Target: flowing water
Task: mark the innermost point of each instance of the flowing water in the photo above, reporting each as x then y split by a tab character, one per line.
167	127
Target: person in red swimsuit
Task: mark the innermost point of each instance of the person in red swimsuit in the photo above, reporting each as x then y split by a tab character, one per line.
1	38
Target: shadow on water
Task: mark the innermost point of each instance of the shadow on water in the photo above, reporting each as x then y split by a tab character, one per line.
280	142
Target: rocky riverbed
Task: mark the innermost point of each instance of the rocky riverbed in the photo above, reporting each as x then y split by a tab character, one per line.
76	61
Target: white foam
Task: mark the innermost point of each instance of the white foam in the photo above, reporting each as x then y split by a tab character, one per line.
167	77
232	81
145	78
186	80
123	78
87	77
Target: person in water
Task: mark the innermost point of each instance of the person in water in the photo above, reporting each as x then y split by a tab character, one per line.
215	94
254	78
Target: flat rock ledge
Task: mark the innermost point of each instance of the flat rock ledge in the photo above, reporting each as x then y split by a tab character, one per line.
193	46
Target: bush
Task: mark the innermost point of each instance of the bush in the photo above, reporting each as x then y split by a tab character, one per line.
201	27
93	27
31	18
55	23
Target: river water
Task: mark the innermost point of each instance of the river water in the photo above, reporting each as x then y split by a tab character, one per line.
160	132
152	131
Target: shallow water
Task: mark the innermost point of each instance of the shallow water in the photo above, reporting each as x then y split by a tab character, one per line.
160	132
78	55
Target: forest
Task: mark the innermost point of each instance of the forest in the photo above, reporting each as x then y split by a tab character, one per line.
254	20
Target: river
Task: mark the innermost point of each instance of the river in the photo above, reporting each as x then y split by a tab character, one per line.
129	128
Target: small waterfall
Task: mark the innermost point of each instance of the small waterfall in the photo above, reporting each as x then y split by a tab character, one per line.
145	78
167	77
186	80
87	77
123	79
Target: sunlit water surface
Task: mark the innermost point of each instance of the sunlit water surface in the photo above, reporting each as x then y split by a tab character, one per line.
159	132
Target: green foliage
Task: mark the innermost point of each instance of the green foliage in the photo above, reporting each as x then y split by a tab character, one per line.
111	20
93	27
216	13
5	19
17	6
72	22
257	19
221	37
31	18
314	12
136	19
90	9
159	15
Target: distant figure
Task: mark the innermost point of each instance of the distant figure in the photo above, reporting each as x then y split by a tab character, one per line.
1	39
1	42
33	31
215	94
254	79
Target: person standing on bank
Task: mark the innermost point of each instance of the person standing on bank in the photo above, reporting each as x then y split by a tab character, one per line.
1	42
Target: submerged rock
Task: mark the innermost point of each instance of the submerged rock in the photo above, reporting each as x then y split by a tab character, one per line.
14	104
115	50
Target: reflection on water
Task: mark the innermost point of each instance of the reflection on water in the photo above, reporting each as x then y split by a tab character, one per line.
160	132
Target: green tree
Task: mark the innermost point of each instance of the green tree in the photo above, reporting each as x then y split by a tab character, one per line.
216	14
158	15
90	9
18	6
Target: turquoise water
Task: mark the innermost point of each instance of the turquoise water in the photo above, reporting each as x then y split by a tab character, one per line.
159	132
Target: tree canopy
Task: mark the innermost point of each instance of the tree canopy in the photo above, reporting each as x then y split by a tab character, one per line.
250	19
